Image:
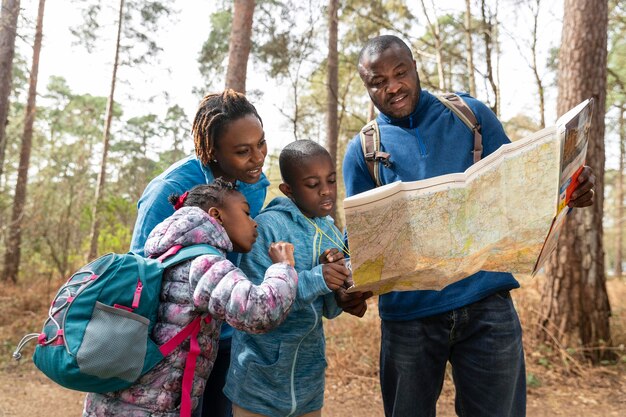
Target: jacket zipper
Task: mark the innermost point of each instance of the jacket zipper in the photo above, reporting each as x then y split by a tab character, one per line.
292	387
420	142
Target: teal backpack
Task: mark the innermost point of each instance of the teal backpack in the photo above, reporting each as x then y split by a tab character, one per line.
97	335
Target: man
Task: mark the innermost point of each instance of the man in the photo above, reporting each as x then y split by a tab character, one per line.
471	323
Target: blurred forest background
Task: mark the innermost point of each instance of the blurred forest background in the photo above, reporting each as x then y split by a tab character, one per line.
73	165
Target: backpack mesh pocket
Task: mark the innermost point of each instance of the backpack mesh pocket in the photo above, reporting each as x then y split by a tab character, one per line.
114	344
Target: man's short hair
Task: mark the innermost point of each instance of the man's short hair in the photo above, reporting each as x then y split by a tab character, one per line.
381	43
295	154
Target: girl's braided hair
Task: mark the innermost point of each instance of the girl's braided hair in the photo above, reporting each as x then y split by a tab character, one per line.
214	113
204	195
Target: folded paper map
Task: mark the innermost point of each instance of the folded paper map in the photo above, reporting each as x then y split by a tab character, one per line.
504	213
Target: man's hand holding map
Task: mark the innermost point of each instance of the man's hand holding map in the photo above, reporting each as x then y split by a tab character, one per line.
504	213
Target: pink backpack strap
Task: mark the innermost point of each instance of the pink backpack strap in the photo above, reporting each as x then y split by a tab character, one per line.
191	330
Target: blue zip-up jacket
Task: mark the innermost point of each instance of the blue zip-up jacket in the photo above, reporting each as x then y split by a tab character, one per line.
153	206
281	373
431	141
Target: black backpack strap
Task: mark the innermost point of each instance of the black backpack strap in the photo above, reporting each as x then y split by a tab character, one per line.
459	107
370	143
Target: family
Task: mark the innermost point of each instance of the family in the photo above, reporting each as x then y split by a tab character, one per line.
282	267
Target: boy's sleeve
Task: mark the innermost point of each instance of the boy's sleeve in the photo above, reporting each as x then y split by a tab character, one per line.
224	291
311	285
152	209
331	309
310	282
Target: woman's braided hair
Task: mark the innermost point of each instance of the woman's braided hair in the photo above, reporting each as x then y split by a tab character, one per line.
204	196
214	113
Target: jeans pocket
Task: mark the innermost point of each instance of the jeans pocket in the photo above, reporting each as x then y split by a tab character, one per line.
114	345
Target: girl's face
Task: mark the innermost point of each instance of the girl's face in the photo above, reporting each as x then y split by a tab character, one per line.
240	151
234	215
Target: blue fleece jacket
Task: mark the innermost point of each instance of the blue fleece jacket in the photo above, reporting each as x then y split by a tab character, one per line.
153	206
431	141
281	373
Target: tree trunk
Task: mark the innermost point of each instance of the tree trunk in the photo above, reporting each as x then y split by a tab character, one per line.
619	198
575	306
95	226
8	30
434	30
332	129
13	250
534	66
240	43
470	49
488	38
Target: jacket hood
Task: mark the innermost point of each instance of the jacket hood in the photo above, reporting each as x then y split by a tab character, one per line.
187	226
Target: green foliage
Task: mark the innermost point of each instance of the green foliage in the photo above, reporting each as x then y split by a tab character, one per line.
142	21
215	49
532	380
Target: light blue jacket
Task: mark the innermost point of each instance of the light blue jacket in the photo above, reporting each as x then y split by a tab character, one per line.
281	373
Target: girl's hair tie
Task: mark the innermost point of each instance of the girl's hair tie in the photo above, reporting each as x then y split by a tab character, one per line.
181	200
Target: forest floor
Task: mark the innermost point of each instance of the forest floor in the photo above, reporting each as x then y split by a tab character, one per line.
559	384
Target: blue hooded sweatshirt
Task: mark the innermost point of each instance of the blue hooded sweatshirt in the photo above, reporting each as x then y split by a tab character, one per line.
281	373
431	141
153	206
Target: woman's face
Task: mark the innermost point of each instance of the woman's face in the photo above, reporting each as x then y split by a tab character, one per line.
240	151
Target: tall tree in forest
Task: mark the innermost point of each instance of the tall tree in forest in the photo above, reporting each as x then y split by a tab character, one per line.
435	32
469	49
616	97
95	225
619	198
488	29
8	31
534	8
137	23
575	308
240	43
13	250
332	77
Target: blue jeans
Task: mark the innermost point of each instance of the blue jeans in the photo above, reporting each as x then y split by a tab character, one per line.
482	341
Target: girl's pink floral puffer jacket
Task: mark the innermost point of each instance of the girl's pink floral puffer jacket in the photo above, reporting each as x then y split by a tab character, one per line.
208	284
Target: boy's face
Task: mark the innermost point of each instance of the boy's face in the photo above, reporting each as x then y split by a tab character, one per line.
314	186
234	216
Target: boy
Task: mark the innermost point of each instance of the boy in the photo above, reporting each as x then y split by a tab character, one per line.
282	373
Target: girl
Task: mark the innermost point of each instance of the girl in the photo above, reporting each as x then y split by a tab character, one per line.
229	143
219	215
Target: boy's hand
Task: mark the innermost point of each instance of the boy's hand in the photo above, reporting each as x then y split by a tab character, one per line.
352	303
330	256
335	275
282	252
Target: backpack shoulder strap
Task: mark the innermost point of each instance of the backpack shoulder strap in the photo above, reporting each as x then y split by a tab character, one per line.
370	143
178	254
459	107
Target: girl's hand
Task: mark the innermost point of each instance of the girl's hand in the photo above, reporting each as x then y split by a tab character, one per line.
282	252
330	256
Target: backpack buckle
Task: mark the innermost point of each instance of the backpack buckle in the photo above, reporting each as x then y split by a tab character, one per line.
379	156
